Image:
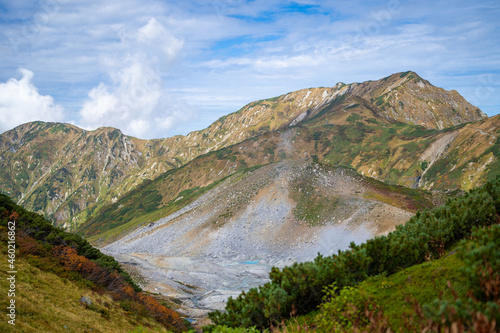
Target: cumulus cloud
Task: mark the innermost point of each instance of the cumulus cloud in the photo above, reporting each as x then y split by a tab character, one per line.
136	100
154	32
20	102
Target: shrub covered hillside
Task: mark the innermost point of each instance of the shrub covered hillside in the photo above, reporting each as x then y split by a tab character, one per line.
301	288
51	254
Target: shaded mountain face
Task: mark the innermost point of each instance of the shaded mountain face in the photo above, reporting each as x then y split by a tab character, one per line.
70	174
65	172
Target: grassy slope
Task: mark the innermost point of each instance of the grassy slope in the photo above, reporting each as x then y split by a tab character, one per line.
424	283
56	268
395	293
45	302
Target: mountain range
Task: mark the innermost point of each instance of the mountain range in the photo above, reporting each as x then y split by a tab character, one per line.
399	129
205	216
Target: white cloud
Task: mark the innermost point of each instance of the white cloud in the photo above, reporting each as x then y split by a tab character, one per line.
20	102
136	100
153	33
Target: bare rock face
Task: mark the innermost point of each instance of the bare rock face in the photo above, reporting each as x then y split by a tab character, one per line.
65	172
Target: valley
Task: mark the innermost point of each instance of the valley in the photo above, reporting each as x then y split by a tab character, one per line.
228	239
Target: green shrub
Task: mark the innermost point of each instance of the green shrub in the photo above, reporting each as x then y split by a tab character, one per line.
340	311
353	117
481	310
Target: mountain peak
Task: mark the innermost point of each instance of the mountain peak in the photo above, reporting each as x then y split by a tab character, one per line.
406	97
407	73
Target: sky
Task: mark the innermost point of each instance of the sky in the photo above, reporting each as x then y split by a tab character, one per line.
155	68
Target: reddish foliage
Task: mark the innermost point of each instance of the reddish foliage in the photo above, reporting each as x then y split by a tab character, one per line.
14	216
116	284
9	215
28	245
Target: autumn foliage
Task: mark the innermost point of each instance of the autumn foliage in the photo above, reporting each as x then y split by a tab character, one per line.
115	283
73	257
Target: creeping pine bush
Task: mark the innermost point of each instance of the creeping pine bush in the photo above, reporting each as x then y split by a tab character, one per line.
480	312
300	288
347	307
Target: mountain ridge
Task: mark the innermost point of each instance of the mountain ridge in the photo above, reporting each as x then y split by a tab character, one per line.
40	174
447	166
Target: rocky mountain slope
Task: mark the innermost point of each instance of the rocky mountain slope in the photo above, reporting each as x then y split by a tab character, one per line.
69	174
227	240
458	157
401	97
66	172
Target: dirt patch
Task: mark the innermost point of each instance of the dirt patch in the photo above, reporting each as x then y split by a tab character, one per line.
435	150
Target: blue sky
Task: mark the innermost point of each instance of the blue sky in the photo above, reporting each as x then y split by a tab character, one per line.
160	68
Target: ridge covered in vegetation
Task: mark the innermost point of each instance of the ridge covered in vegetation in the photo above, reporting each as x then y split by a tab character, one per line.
63	256
302	287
